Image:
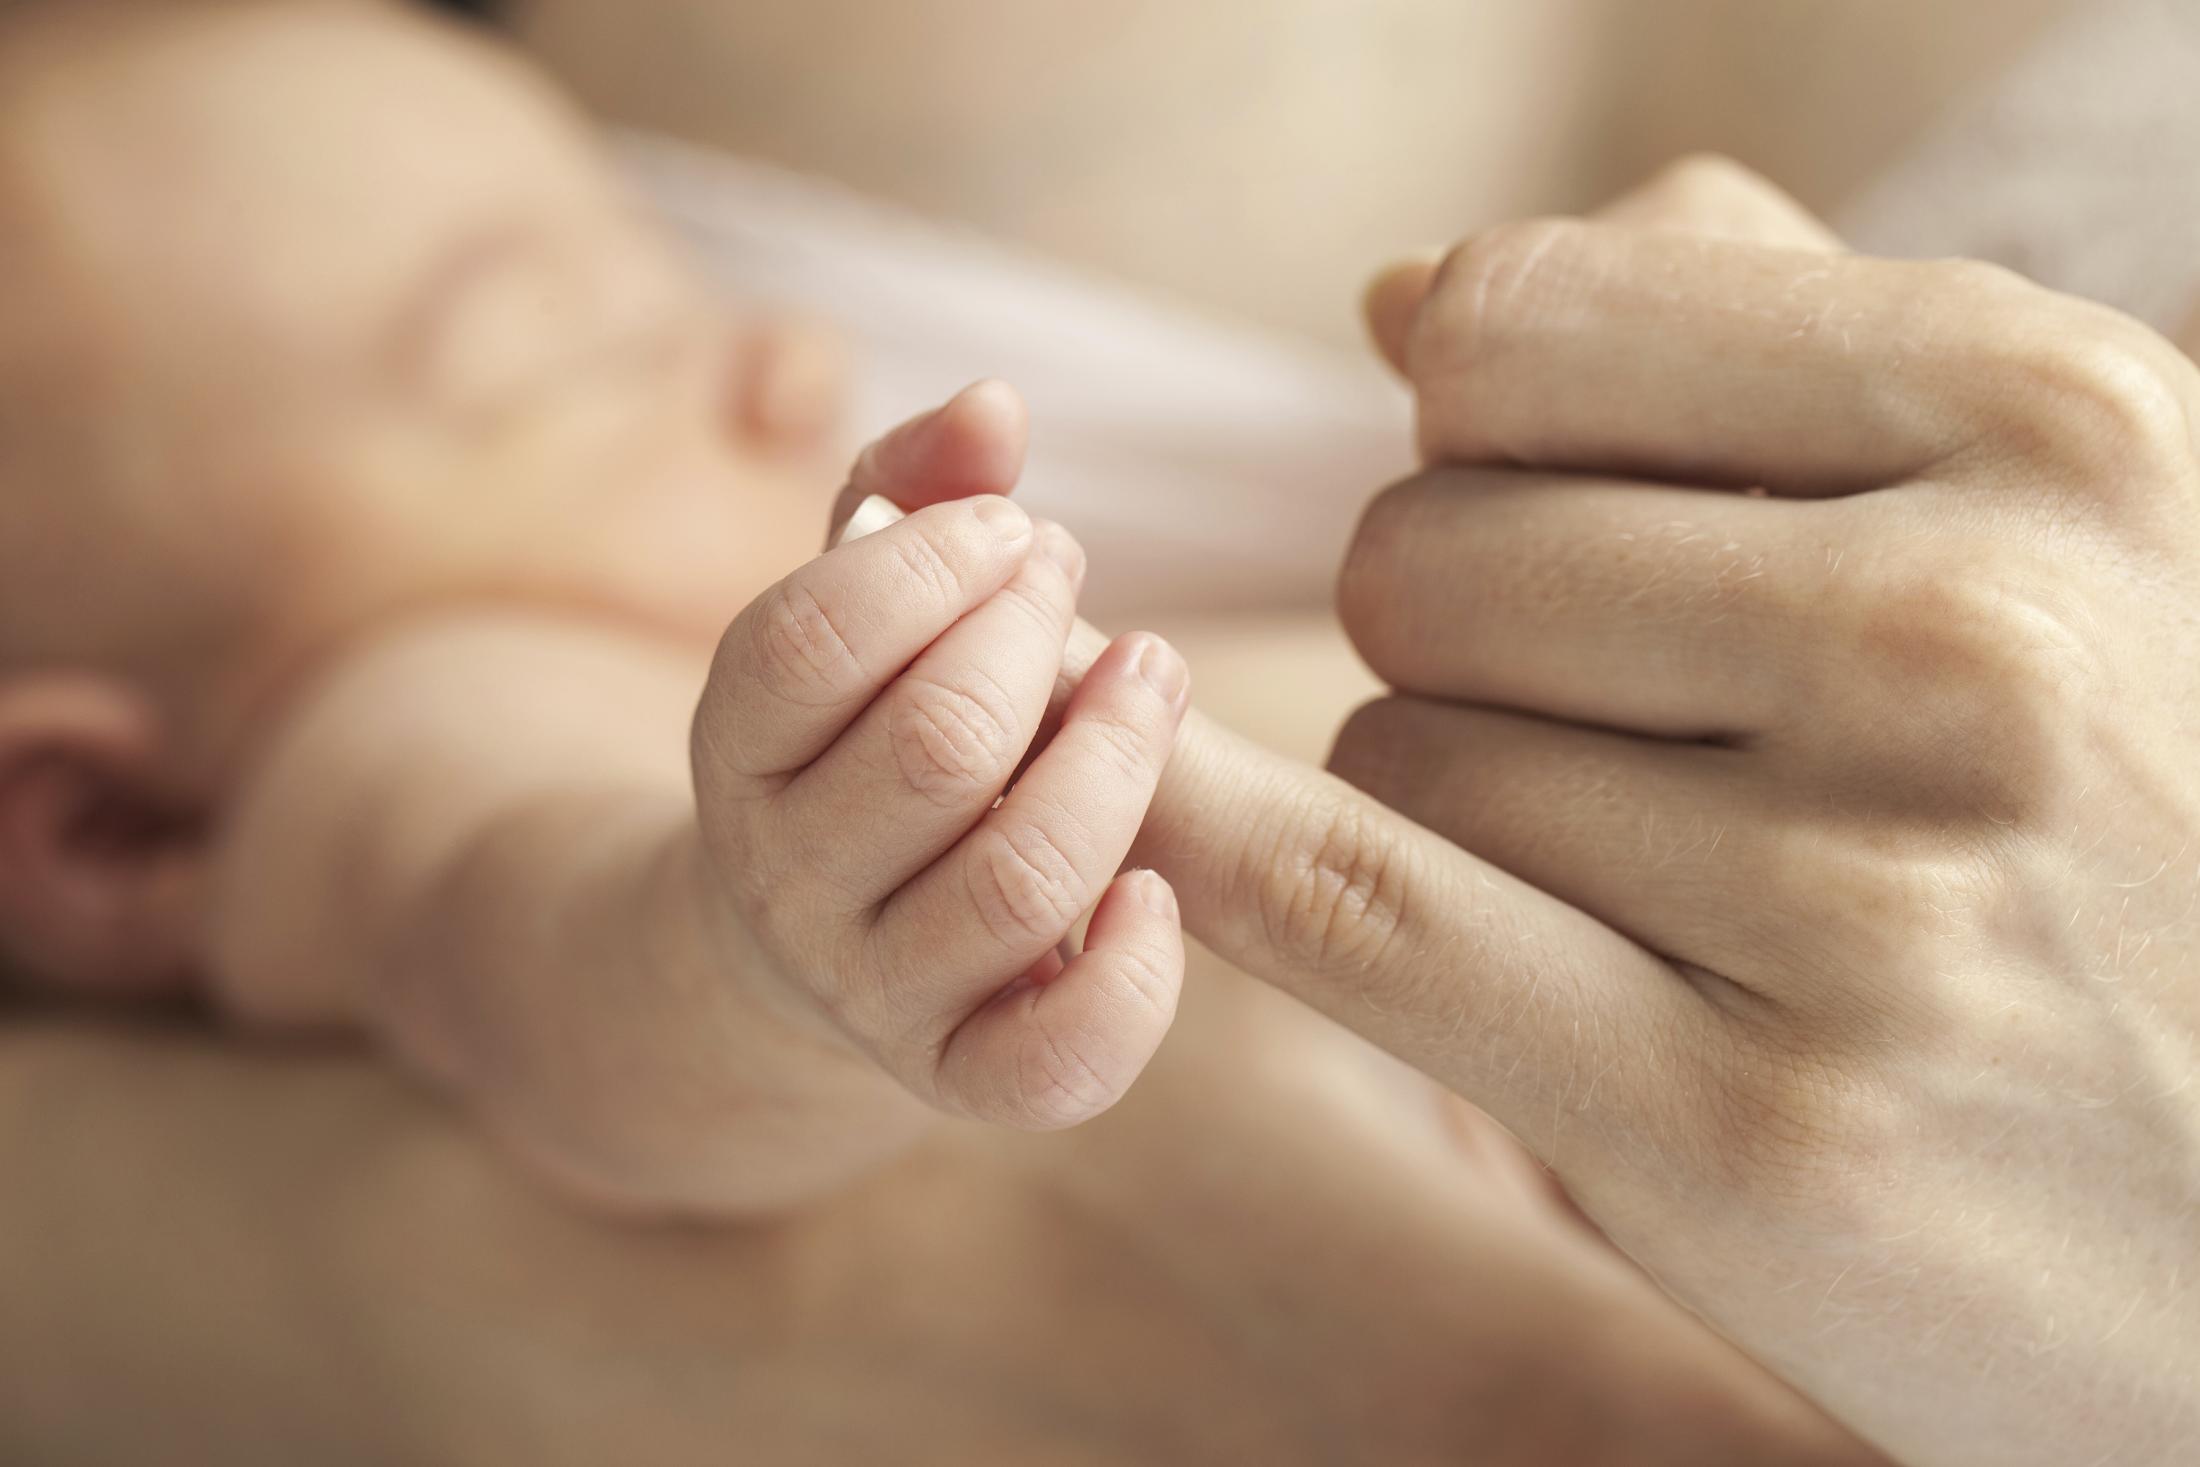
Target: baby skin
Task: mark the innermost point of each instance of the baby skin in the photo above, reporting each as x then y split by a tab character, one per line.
364	543
908	789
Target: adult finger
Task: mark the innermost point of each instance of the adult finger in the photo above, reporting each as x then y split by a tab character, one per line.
1652	838
1505	994
1567	1031
1662	611
1701	194
1711	195
1570	345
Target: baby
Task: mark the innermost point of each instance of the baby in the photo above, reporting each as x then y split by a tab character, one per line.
372	485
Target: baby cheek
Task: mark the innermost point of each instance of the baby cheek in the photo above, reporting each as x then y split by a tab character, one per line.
691	555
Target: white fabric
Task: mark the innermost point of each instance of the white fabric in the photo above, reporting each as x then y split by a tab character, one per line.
1199	463
1208	464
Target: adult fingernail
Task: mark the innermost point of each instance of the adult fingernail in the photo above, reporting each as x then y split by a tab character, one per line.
875	513
1062	548
1164	671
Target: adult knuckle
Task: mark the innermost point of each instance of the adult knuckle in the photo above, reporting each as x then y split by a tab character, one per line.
1819	1143
1696	182
1977	314
950	743
1999	675
1495	283
1024	885
2087	386
1976	282
2129	407
1893	907
1508	266
801	653
1330	886
1949	618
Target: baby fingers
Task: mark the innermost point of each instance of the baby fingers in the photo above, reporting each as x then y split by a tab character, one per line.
1043	1055
933	752
992	908
810	653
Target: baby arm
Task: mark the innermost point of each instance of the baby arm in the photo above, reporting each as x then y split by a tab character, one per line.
729	983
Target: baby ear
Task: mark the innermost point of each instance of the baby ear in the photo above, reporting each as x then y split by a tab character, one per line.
99	859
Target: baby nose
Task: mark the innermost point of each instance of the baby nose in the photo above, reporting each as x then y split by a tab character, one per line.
791	382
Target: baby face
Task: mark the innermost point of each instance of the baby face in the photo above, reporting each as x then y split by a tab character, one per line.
357	321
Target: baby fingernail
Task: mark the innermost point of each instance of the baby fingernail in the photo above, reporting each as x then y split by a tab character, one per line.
1154	894
876	512
1003	515
1164	670
988	392
1062	548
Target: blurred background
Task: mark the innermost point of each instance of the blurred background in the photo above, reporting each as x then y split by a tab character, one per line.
1255	157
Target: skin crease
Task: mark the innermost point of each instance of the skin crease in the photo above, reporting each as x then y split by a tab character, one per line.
1890	768
710	997
1314	925
1281	1247
1360	1432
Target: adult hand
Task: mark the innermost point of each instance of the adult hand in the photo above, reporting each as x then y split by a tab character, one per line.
1802	644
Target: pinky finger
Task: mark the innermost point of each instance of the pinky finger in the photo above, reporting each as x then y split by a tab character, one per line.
1052	1052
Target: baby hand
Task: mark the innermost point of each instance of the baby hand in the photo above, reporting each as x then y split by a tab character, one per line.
887	856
